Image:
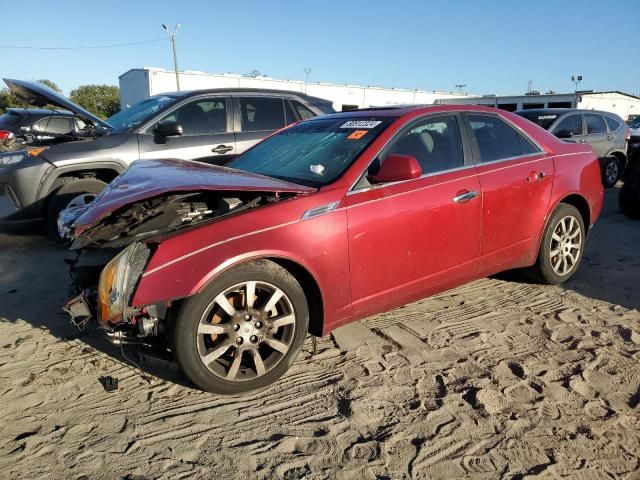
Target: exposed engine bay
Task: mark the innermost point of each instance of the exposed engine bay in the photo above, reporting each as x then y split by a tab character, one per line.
161	215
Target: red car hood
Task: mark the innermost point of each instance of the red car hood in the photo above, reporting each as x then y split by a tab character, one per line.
146	179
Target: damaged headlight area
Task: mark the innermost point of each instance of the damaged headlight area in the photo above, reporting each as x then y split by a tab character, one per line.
118	281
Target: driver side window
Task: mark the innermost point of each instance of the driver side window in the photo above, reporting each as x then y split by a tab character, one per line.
572	122
201	117
435	142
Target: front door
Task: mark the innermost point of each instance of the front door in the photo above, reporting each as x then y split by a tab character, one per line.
516	177
408	238
207	133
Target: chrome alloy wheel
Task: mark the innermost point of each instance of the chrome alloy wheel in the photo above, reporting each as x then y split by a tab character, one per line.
566	245
611	172
81	200
246	331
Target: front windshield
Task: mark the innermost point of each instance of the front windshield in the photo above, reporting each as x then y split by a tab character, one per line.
312	153
136	114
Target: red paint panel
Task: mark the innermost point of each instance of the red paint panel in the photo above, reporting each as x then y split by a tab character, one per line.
411	236
515	199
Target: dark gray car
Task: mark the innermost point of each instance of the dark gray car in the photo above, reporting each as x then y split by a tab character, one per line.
606	132
212	126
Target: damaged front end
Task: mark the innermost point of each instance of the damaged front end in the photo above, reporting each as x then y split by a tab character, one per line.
115	236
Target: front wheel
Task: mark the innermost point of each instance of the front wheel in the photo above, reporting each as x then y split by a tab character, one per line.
611	171
562	246
243	331
75	194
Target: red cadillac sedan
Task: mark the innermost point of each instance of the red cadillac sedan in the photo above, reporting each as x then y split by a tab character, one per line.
328	221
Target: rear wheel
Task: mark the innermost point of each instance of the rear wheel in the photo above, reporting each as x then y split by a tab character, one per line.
562	246
243	331
611	171
77	193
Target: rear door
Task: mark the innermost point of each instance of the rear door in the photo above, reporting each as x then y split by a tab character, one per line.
407	238
257	117
596	134
207	132
516	178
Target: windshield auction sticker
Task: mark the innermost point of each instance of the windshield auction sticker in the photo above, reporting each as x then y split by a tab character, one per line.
361	124
357	134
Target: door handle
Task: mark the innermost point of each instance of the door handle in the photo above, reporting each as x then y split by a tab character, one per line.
582	140
609	137
222	149
465	196
535	176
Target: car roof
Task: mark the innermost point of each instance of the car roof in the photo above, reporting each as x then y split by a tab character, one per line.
563	111
192	93
397	111
43	112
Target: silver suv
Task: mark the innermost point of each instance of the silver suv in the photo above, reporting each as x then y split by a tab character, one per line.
606	132
212	126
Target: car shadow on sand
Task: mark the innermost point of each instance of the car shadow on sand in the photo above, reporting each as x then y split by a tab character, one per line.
610	267
35	284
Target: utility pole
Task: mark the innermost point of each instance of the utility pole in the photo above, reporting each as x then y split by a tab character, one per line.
172	36
307	72
576	79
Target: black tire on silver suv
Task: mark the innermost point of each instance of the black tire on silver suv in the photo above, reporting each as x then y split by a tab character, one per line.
243	331
76	193
611	171
562	246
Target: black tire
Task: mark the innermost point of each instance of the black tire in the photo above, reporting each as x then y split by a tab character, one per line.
629	199
543	271
60	199
611	171
192	348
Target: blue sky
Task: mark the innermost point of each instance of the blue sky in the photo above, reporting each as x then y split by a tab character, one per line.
492	46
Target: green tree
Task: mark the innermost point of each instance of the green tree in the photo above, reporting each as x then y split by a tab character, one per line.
101	100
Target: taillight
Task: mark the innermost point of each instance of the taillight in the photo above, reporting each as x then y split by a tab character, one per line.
5	135
628	134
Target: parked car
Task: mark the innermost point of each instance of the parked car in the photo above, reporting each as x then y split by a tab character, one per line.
39	126
634	136
328	221
629	198
606	132
206	125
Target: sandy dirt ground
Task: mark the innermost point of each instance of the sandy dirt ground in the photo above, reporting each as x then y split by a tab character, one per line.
496	379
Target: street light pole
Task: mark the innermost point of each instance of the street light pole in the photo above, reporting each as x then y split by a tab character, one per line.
172	36
307	71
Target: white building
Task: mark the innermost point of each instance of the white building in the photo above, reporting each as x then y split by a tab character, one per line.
140	83
623	104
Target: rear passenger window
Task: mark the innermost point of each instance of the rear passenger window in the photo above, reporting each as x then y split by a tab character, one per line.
435	142
288	111
595	123
497	140
261	113
56	125
612	123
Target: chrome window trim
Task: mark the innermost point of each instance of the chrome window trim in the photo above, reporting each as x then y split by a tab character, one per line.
508	159
426	175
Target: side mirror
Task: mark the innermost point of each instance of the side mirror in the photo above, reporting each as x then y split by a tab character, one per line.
564	134
397	168
166	129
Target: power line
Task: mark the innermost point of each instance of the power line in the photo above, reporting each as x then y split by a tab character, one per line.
114	45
